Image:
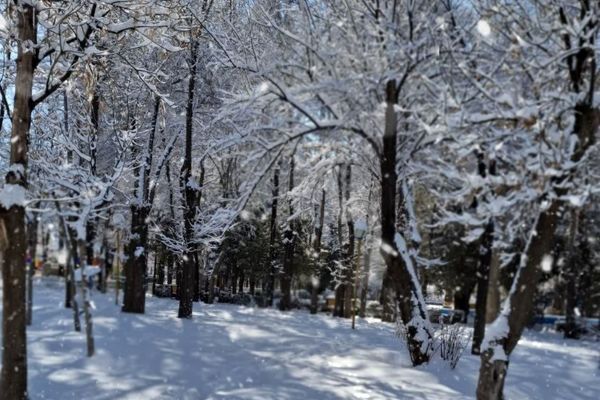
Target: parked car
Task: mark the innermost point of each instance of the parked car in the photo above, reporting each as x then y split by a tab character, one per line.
374	309
445	315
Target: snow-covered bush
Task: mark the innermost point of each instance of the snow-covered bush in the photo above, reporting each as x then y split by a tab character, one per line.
451	341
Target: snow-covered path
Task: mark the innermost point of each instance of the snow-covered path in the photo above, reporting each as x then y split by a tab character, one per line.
232	352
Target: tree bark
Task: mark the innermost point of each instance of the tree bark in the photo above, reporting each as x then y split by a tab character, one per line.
32	233
517	308
493	300
571	331
13	378
289	247
404	284
85	296
484	265
134	296
272	237
483	279
349	257
71	287
186	285
338	310
364	285
386	299
315	280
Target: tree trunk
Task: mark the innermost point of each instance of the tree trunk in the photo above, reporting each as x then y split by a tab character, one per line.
338	310
484	264
520	302
315	280
154	274
32	233
349	257
462	297
106	266
196	277
571	331
71	286
289	247
518	306
252	284
186	285
134	297
364	285
364	290
85	295
386	299
272	238
483	280
414	316
493	300
90	227
13	378
492	374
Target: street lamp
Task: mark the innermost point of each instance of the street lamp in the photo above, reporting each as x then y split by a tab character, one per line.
360	228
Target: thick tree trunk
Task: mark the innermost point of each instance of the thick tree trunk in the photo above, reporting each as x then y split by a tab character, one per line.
252	284
170	269
71	286
386	299
272	238
483	279
197	275
154	274
338	310
315	279
403	279
520	302
289	247
90	235
349	256
571	331
186	285
134	297
241	283
13	236
90	227
364	285
462	297
106	266
32	233
484	264
492	375
85	295
493	300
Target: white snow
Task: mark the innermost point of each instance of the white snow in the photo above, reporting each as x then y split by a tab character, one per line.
483	27
12	195
547	263
3	24
90	270
139	250
238	353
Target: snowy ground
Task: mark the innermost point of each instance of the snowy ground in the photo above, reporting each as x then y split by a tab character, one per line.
232	352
